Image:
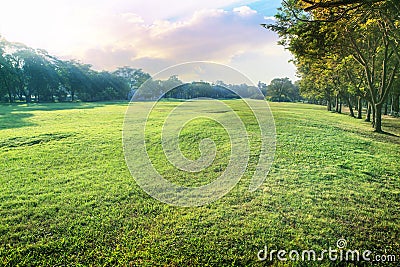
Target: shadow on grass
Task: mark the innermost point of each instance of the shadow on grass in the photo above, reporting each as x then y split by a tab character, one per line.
384	136
389	134
17	120
391	126
16	115
23	107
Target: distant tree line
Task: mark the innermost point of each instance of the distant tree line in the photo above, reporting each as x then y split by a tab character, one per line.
174	88
346	52
200	89
33	75
28	75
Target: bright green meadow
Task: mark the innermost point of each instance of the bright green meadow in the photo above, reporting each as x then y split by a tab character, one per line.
67	197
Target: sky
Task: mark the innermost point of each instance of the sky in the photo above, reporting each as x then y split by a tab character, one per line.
152	34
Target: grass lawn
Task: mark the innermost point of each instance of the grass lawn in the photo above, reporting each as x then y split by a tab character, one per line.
67	197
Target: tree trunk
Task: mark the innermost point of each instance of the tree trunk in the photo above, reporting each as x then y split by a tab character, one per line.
10	96
368	116
20	96
329	104
373	111
350	106
337	103
395	105
386	108
28	96
340	105
378	119
359	108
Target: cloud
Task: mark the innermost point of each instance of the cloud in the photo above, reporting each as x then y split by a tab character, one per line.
229	37
244	11
270	18
109	58
265	65
148	34
132	18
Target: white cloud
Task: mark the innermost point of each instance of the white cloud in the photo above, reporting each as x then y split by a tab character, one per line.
270	18
132	18
244	10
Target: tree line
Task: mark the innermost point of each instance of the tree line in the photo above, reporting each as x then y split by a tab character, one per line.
174	88
28	75
33	75
346	52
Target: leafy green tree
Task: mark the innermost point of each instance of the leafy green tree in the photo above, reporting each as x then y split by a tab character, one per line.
135	77
395	111
263	88
7	76
328	32
282	90
370	46
75	77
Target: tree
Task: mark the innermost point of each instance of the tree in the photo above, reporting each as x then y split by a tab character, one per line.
171	90
395	111
134	77
7	76
370	46
75	77
263	88
282	90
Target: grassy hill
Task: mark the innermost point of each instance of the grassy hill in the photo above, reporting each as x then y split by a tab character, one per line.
67	197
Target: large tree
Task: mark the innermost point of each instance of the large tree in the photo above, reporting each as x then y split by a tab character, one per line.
8	76
282	90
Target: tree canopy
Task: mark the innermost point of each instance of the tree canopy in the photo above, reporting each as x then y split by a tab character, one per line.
28	74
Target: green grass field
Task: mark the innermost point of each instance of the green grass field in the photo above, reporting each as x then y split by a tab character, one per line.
67	197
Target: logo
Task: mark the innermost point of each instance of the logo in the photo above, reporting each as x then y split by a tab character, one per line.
139	119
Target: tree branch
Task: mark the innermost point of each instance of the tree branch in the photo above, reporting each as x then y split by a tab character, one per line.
343	13
338	3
